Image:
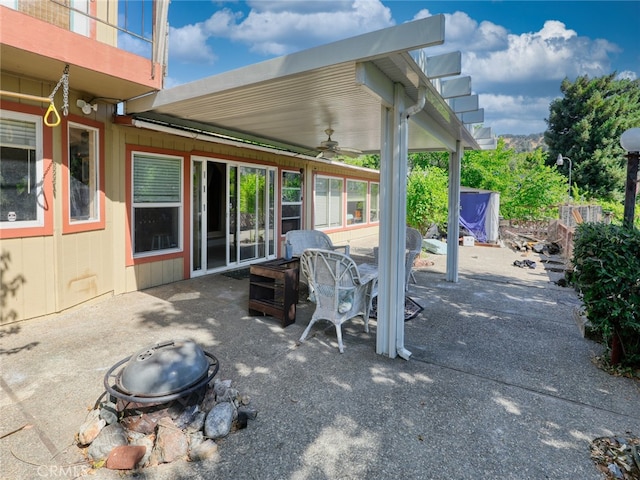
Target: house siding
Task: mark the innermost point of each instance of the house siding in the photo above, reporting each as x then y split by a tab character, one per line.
63	270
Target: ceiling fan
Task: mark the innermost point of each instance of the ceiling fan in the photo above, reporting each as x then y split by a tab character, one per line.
330	148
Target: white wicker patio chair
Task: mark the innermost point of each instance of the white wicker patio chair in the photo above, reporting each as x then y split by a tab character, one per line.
300	240
341	291
414	247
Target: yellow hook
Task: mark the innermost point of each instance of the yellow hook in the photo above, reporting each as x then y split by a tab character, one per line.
56	117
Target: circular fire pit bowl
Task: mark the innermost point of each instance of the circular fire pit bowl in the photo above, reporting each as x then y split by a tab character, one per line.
161	373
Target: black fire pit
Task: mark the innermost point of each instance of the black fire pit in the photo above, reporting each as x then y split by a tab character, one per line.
161	373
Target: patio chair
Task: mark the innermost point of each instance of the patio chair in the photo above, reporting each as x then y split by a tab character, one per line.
413	249
341	292
300	240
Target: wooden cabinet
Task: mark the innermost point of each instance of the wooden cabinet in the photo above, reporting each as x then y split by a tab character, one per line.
273	289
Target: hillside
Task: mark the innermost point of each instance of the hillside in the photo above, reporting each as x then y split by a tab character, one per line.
524	143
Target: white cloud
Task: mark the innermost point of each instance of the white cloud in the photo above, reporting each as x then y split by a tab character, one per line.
189	44
516	114
517	75
494	56
627	75
293	26
279	27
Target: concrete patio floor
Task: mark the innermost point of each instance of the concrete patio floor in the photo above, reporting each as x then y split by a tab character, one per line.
501	383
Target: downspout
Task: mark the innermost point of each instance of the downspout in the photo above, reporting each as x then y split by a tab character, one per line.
404	149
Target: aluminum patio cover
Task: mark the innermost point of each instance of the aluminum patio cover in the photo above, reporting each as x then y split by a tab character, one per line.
376	97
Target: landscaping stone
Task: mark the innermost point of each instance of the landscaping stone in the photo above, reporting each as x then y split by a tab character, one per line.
197	423
171	443
140	439
219	420
110	437
91	427
221	386
109	413
125	457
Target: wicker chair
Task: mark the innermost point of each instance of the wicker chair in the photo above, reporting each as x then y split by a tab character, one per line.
413	249
340	290
300	240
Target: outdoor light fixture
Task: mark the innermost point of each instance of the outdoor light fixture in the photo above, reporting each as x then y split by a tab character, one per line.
560	162
86	106
630	141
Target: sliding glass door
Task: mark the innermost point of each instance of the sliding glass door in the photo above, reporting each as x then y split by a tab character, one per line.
233	215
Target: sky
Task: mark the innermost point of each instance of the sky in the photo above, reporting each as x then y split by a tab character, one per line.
517	53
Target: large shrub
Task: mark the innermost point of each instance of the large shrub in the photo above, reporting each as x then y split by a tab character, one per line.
606	259
427	198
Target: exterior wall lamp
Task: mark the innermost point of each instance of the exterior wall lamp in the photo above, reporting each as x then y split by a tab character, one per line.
86	107
560	161
630	141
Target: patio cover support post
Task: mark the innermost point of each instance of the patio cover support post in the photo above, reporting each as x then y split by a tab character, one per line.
453	226
392	231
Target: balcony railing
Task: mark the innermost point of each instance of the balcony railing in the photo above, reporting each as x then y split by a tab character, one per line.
125	24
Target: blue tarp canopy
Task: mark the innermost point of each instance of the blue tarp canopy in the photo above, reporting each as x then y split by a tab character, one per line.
479	213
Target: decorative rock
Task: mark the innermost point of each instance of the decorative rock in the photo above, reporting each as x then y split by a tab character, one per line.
125	457
209	400
110	437
109	413
197	423
220	386
229	395
147	441
203	451
91	427
171	443
250	412
187	416
219	420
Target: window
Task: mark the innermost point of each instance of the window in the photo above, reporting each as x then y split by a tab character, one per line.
356	201
291	201
157	202
84	181
374	210
22	200
328	202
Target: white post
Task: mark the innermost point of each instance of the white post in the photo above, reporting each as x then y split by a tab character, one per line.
453	227
392	233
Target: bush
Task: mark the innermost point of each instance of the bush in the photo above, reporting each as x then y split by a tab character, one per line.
427	200
607	275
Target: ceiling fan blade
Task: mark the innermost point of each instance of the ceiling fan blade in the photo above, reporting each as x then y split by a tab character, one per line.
330	148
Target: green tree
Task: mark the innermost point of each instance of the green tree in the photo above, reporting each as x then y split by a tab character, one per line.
488	169
527	186
427	198
532	187
585	125
429	159
368	161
